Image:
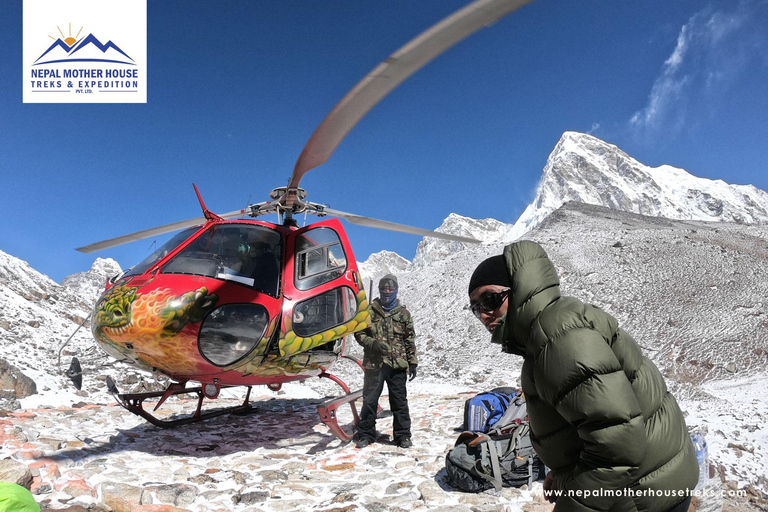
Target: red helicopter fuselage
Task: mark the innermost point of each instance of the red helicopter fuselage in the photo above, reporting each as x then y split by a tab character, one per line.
236	303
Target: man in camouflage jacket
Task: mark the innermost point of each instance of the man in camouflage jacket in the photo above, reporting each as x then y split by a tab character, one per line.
389	357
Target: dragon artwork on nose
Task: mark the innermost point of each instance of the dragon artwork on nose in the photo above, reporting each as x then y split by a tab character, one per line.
148	327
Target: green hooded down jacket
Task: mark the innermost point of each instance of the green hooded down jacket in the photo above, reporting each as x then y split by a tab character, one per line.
601	416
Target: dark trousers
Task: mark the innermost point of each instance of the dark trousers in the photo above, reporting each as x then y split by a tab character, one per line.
373	385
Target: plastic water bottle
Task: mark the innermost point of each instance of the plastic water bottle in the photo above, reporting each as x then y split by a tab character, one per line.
700	445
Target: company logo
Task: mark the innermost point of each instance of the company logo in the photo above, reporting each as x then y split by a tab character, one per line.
87	66
87	49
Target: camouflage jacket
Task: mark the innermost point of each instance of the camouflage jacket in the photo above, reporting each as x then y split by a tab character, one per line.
393	330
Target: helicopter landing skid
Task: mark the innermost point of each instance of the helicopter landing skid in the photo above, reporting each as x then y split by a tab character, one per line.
134	402
327	410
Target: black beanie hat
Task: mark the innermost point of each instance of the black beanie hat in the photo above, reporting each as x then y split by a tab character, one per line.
390	280
491	271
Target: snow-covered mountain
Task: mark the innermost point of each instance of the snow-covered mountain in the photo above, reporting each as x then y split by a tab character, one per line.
585	169
431	250
691	292
38	316
693	221
90	284
381	263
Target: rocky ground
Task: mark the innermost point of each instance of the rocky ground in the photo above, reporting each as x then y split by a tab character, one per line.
278	458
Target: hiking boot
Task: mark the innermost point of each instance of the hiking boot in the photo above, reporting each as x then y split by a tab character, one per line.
404	442
362	442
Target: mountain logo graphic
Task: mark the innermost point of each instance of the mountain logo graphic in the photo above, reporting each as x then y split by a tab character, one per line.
87	49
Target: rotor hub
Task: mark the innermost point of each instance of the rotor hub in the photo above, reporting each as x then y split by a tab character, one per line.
288	192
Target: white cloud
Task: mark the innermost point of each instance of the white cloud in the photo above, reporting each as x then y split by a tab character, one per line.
711	51
676	58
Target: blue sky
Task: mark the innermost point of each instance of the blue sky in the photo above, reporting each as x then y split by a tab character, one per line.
237	87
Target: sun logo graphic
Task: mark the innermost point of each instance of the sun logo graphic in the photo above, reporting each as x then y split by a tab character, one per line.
87	49
100	59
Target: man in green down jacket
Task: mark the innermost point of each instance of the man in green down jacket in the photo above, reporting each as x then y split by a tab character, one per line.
601	416
389	356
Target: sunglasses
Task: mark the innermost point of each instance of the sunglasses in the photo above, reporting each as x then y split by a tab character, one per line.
489	302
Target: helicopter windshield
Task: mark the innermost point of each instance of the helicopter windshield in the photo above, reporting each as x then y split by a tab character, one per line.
161	252
243	253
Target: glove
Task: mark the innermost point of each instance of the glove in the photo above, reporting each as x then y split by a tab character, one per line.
381	347
412	371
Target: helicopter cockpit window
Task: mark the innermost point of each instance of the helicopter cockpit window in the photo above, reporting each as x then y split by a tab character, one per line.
324	311
243	253
231	332
320	258
161	252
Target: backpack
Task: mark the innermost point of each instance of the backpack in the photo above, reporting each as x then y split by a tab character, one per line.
484	410
502	457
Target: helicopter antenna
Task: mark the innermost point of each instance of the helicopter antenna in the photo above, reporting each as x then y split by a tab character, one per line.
247	204
208	214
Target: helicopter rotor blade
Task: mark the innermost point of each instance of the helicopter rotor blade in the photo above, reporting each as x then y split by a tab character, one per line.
113	242
393	71
393	226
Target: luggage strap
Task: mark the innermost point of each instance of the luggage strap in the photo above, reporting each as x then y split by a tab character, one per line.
489	449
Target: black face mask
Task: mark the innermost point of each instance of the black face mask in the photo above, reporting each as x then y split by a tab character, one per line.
388	298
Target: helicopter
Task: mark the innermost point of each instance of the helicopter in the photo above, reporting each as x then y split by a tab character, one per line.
230	300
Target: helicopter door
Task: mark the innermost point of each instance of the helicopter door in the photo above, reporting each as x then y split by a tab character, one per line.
324	298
